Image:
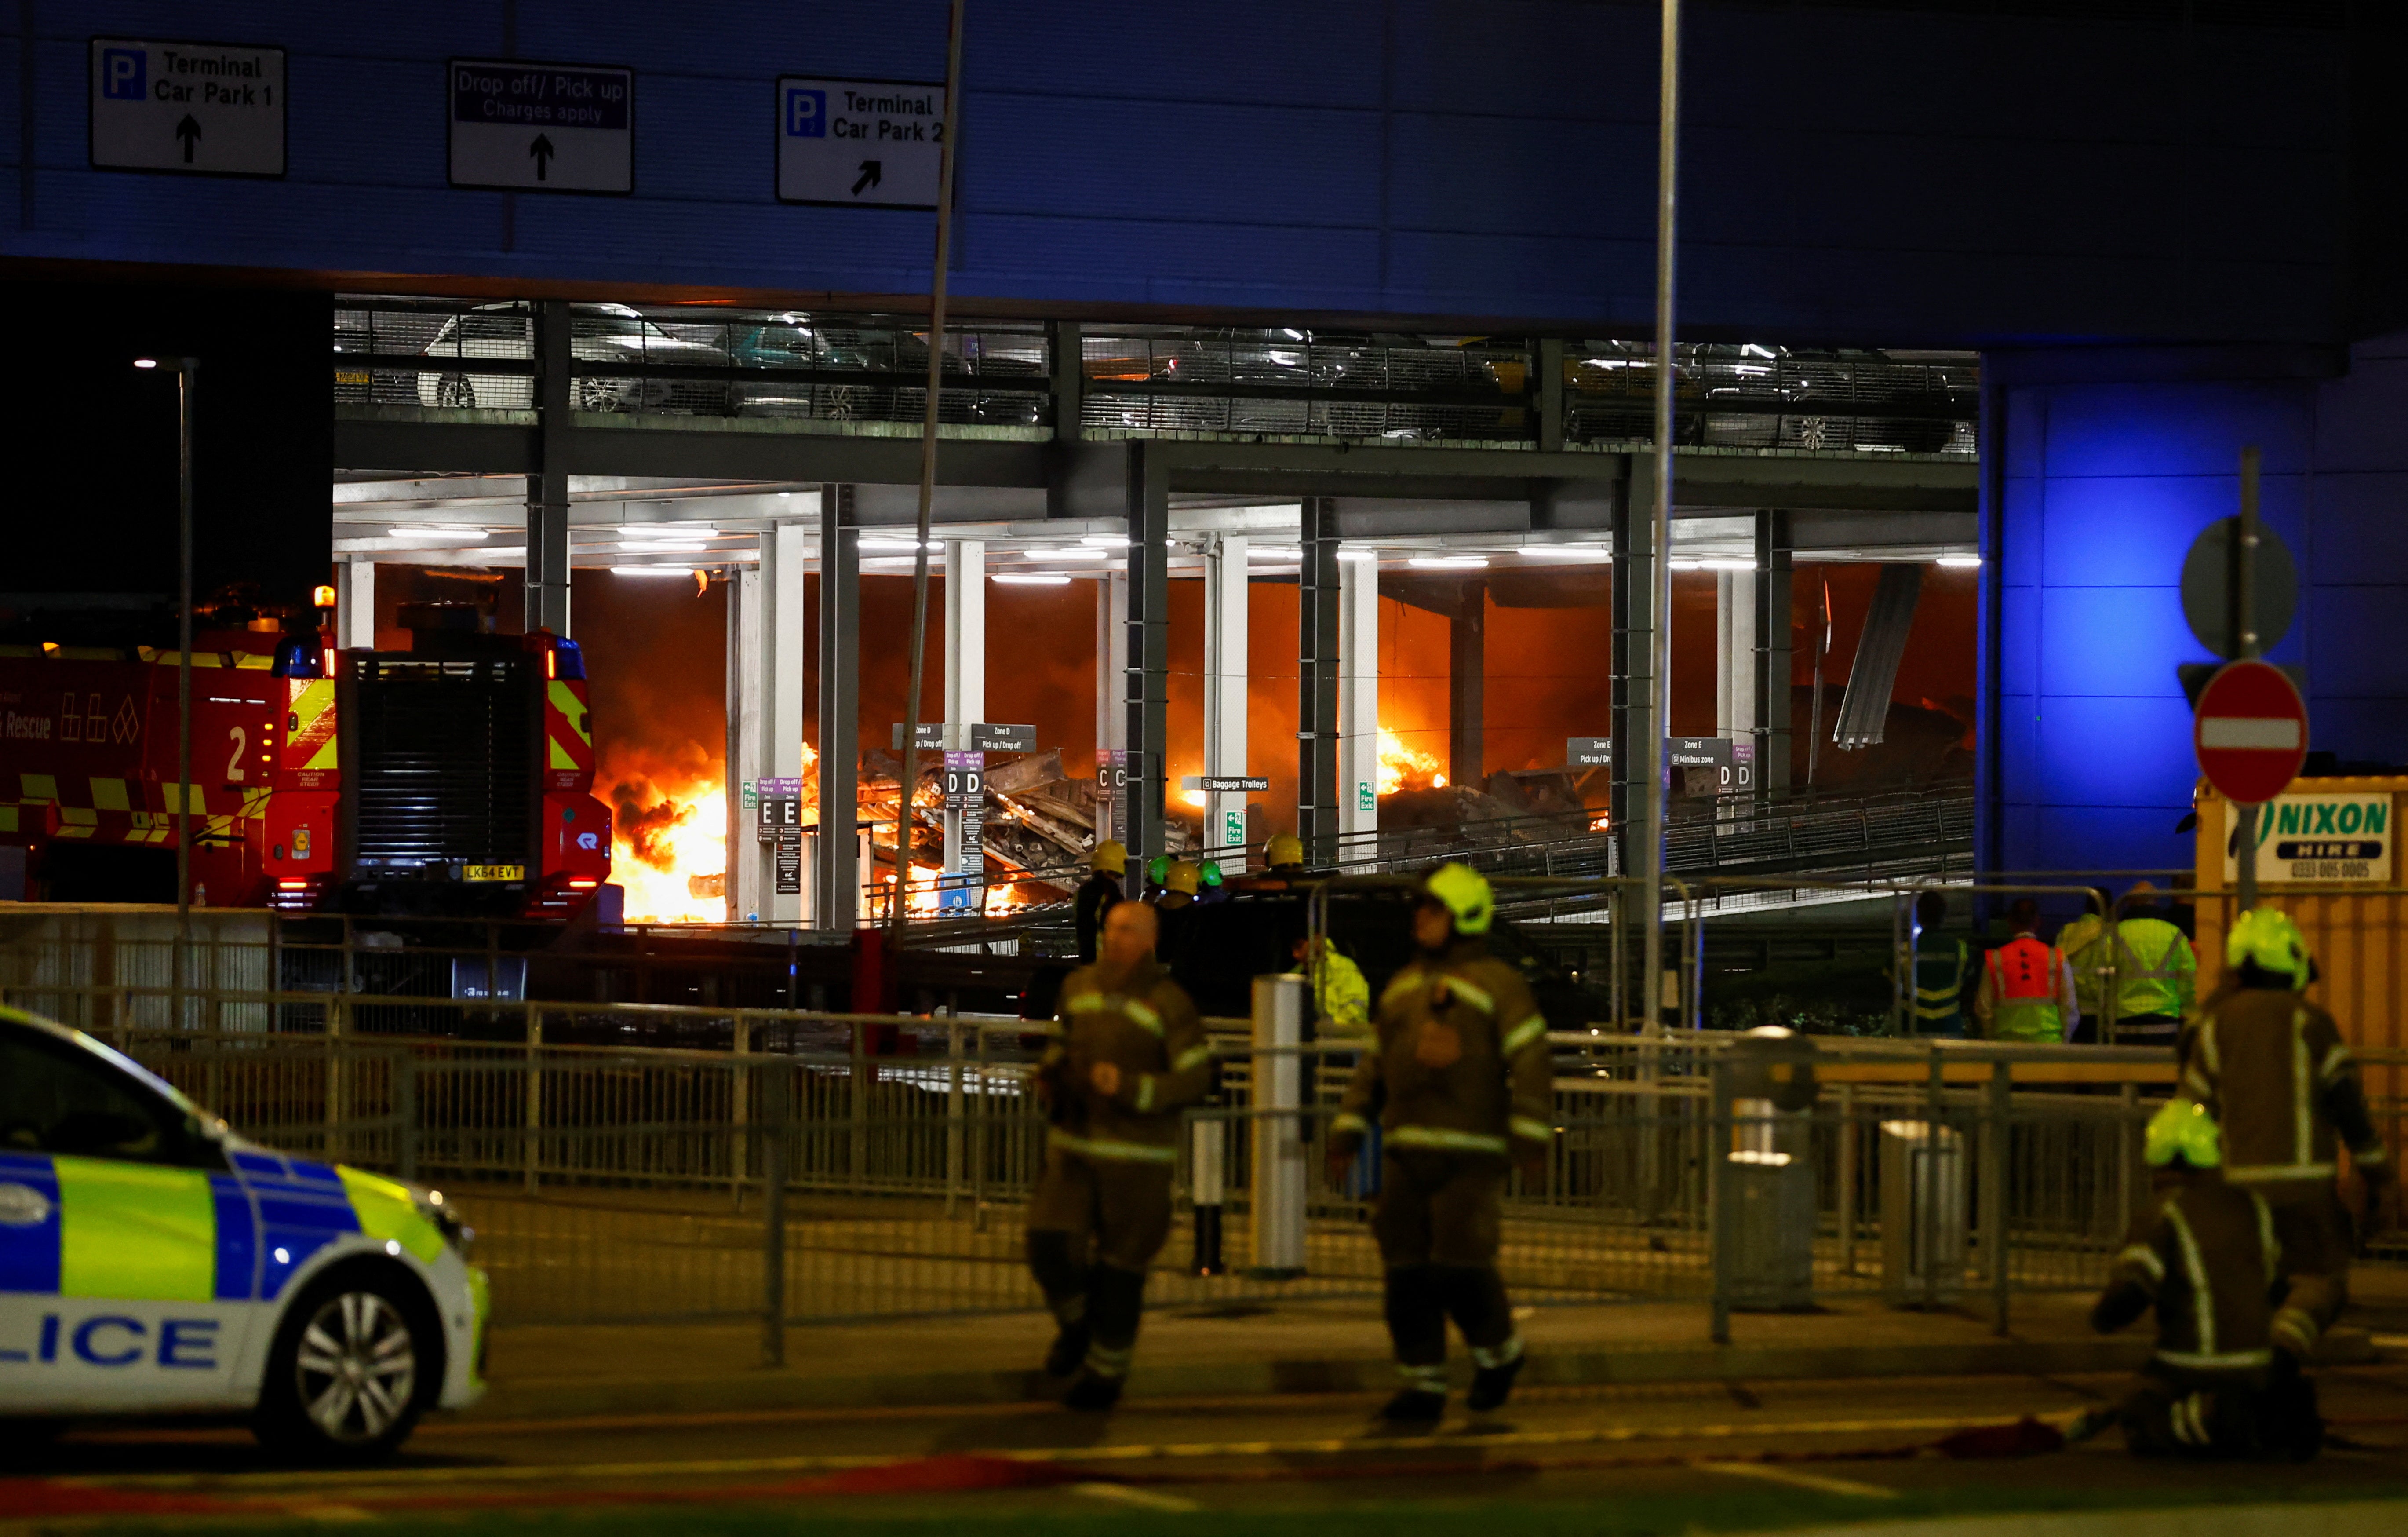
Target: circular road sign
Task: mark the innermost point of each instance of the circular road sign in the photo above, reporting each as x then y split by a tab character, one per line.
2207	587
2250	732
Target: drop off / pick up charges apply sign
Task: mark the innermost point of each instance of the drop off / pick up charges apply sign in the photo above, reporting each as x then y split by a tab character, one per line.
540	127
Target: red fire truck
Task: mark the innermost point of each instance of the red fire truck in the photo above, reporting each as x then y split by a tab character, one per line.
455	777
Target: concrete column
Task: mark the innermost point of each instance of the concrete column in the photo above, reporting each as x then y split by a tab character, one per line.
1358	707
748	864
1146	697
838	875
1735	660
1112	683
1467	650
355	605
1772	575
1637	733
547	483
1225	691
786	553
964	665
1317	660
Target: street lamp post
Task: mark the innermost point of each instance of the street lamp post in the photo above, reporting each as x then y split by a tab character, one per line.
186	369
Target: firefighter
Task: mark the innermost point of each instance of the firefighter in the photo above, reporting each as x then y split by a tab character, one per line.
2086	945
1940	963
1099	894
1457	1076
2026	990
1129	1051
2156	976
2206	1257
2272	1069
1341	998
1284	855
1213	888
1180	879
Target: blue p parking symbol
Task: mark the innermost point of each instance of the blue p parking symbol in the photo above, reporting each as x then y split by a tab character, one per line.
806	113
124	74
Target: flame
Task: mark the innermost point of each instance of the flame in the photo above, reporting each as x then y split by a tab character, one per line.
1403	767
1001	896
669	848
1195	798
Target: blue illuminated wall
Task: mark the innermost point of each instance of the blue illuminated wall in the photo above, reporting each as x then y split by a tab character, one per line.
2103	467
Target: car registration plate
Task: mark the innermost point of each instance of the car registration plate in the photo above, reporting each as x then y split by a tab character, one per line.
495	872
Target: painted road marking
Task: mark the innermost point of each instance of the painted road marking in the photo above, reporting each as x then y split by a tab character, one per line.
1143	1498
1166	1451
1773	1472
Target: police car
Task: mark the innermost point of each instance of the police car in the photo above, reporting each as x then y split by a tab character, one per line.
152	1262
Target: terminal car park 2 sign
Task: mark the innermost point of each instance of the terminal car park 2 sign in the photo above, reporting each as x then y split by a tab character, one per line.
860	143
190	108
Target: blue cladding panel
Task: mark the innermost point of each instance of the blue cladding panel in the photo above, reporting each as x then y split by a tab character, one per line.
29	1254
2113	642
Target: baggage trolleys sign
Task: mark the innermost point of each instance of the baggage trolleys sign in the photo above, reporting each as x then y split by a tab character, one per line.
2321	838
860	143
2250	732
538	127
189	108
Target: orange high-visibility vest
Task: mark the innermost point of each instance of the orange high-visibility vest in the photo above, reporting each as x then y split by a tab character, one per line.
2022	985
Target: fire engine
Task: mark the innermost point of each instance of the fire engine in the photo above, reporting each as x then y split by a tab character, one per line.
454	778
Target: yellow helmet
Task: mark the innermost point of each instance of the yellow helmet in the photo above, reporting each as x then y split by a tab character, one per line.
1465	893
1285	849
1183	876
2268	938
2184	1129
1111	856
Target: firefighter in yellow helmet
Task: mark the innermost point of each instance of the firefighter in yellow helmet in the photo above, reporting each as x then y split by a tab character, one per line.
2205	1257
1342	997
2271	1067
1098	894
1284	855
1457	1075
1127	1052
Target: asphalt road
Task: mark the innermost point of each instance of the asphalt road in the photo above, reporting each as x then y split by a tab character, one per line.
1711	1457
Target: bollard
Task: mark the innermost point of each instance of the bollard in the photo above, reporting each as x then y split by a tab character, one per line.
1279	1173
1208	1187
775	1115
1994	1191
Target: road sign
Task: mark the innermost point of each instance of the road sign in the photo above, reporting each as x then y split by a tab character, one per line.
2207	587
1589	751
192	108
2325	836
540	127
1234	784
859	144
2250	733
1698	752
984	738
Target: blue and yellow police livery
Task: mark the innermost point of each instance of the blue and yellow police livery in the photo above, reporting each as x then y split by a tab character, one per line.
152	1262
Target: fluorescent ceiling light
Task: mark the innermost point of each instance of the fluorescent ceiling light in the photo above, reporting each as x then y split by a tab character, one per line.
1358	554
662	547
1104	541
653	570
1059	553
1714	563
907	546
1273	552
667	531
1032	578
1456	562
1566	552
441	535
1961	563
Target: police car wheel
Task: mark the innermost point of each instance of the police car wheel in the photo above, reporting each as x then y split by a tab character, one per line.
348	1375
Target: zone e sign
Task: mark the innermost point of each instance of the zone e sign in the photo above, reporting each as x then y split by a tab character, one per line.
871	144
190	108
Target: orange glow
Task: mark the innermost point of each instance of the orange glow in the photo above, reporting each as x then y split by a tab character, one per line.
1402	767
1194	799
668	839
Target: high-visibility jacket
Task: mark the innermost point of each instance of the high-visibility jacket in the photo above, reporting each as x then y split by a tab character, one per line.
2083	942
1457	1062
1142	1023
2156	971
1340	995
2023	975
1939	967
2272	1069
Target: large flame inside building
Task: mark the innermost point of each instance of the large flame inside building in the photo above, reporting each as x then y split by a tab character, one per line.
668	841
1403	767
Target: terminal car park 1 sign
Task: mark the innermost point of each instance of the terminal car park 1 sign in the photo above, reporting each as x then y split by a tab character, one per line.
2321	838
193	108
860	143
538	127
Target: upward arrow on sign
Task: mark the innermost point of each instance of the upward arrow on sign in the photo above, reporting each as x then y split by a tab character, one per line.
543	152
190	132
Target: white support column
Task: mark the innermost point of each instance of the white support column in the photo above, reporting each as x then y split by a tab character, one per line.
355	605
965	667
1111	674
1734	653
748	858
785	555
1225	693
1358	707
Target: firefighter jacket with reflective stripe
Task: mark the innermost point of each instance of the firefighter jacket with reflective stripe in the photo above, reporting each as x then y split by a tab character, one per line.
2272	1069
2156	971
2024	994
1142	1023
1457	1061
2207	1258
1940	967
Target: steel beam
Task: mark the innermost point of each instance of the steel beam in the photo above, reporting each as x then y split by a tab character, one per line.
547	483
1773	571
1226	679
1317	623
1146	692
836	889
1466	675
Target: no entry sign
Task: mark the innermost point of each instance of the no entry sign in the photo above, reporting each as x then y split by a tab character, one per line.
2250	732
